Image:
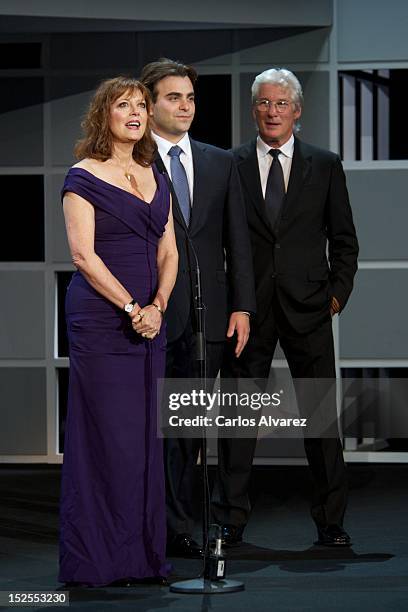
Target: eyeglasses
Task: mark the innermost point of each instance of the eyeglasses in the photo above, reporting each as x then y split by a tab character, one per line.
263	105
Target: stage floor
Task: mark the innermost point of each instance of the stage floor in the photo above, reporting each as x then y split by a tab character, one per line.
278	563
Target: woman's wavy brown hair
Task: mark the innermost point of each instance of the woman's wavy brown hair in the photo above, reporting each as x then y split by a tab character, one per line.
97	141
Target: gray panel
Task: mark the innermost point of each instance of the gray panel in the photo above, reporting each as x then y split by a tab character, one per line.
315	117
22	328
305	47
373	30
23	411
294	12
191	46
58	240
219	60
374	324
254	45
379	201
67	111
107	51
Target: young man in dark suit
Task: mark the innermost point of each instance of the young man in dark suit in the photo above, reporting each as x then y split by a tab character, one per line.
298	212
209	218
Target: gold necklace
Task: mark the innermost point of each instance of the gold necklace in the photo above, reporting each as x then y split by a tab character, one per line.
129	176
126	172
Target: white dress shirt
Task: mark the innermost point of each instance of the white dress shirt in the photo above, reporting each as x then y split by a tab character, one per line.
186	157
265	160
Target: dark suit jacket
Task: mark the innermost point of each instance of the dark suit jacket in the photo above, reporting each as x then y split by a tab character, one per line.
292	259
219	233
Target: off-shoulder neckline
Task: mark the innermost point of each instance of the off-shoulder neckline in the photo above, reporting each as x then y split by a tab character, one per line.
76	169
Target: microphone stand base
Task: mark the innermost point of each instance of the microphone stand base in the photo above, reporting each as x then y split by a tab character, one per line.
202	585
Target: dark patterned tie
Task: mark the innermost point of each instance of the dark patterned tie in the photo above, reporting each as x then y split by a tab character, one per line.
180	182
275	188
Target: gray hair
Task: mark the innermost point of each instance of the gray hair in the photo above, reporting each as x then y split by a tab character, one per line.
285	78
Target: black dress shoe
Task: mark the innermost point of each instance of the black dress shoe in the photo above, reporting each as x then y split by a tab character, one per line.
184	546
333	535
231	535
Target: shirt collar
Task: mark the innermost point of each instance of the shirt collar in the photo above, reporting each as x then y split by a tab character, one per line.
164	145
287	148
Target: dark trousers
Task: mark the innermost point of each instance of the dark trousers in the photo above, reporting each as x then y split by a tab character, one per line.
309	356
181	454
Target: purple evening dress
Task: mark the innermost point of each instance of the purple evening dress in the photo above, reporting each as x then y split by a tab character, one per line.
113	522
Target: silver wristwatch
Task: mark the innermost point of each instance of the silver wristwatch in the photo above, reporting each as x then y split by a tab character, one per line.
129	307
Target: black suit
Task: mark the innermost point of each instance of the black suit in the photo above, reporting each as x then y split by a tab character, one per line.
294	282
219	234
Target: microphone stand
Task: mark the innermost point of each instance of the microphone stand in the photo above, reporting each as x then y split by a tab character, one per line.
203	584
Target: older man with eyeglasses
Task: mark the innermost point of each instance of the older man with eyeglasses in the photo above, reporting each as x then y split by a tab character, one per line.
304	249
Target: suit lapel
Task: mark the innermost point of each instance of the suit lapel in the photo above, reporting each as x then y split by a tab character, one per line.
299	173
202	180
249	171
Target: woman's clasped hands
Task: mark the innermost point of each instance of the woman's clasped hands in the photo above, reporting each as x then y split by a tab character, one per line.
146	321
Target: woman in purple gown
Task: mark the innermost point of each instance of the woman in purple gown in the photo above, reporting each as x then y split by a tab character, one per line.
119	225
